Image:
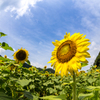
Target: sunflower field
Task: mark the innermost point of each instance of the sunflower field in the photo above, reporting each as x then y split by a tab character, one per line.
19	83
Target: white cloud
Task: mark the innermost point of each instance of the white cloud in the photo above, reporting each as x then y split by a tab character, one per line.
90	12
19	7
90	6
2	51
37	64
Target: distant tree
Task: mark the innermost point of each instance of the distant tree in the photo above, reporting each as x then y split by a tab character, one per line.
50	70
97	61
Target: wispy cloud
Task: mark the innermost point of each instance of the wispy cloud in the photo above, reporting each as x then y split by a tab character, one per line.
90	6
19	7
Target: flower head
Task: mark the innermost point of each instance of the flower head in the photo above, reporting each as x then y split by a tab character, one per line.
69	53
95	66
45	67
5	56
21	55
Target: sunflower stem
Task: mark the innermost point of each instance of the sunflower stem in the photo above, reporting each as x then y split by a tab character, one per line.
74	86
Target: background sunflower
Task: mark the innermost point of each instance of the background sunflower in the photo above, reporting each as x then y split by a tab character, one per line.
21	55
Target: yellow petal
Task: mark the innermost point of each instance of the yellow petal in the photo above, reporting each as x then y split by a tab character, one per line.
82	58
82	41
74	67
52	61
86	54
53	53
80	49
65	66
58	68
55	49
56	43
53	64
53	57
73	36
85	61
79	65
67	36
76	37
83	44
83	36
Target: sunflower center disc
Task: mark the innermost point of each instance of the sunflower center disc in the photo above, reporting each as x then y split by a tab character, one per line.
21	55
66	51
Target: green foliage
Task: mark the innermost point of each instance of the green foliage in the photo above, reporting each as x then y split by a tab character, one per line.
97	61
84	64
2	34
5	45
31	84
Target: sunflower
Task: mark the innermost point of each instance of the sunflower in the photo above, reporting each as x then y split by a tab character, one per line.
45	67
21	55
5	56
69	53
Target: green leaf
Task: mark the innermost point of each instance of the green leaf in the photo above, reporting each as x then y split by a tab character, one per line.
71	82
92	88
51	90
83	96
52	97
32	86
91	80
0	43
84	64
23	82
3	96
28	95
5	59
2	34
20	65
6	46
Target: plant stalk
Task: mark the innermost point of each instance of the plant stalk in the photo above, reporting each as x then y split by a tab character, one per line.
74	86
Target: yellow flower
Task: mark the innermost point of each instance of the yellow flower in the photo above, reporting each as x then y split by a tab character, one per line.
32	66
46	71
56	74
12	67
19	70
0	60
82	71
45	67
97	70
21	55
77	73
30	69
95	66
85	74
47	75
5	56
69	52
51	74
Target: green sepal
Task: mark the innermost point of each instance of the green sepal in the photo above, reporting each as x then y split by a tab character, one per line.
83	64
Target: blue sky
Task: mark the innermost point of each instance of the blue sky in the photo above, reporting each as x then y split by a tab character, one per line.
34	24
